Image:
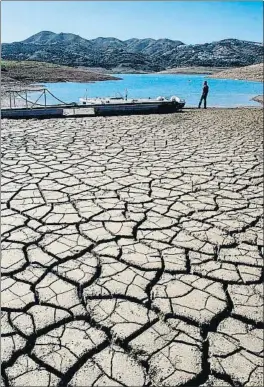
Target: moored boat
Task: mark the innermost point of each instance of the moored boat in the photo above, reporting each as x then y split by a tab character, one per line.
120	105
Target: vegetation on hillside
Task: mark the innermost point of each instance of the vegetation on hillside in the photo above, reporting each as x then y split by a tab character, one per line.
138	54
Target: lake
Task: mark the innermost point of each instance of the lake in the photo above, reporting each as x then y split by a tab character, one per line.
223	93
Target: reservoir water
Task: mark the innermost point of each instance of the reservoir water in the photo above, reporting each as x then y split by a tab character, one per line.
223	92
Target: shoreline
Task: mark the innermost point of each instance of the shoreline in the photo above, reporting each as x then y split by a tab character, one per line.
192	70
252	73
33	86
25	73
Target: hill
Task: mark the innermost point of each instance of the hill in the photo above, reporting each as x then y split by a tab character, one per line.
249	73
31	71
146	55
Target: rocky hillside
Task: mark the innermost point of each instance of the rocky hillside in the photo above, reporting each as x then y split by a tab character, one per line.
249	73
138	54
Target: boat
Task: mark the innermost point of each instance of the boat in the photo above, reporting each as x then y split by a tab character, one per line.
117	105
123	105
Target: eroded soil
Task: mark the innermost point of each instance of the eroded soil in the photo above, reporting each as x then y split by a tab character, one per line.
132	250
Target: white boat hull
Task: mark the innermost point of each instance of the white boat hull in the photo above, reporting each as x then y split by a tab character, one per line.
120	106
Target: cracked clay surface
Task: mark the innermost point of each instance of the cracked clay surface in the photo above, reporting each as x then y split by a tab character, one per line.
132	250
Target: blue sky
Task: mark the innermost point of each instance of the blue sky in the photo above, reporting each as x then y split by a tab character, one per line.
189	21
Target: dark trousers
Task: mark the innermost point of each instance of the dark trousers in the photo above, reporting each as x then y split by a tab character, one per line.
203	98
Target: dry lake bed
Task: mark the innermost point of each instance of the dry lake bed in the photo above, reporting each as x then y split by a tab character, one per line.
132	250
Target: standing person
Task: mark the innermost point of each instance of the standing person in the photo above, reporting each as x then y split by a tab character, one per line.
204	95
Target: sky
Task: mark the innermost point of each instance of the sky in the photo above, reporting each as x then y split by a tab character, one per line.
192	22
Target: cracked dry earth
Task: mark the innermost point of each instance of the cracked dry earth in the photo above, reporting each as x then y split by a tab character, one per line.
132	250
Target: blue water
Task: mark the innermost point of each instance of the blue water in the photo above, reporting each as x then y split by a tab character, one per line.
223	93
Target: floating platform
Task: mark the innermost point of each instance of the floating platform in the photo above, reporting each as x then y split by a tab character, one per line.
98	107
19	113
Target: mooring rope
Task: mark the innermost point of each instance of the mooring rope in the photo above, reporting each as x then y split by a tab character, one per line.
37	99
64	103
27	100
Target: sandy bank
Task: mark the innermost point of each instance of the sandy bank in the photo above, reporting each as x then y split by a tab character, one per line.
259	98
249	73
191	70
32	72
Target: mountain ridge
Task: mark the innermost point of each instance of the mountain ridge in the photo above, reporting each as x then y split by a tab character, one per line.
146	54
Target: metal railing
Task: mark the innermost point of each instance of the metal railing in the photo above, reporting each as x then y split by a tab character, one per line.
13	94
